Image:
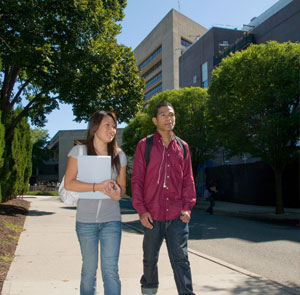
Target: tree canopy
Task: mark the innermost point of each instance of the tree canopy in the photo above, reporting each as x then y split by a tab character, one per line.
65	51
254	104
190	111
40	152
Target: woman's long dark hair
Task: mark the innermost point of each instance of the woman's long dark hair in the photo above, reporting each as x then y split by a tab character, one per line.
112	147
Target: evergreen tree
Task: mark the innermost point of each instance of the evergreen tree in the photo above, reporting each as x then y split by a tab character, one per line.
16	170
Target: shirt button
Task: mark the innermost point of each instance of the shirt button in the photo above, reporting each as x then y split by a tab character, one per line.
168	176
168	165
167	209
167	198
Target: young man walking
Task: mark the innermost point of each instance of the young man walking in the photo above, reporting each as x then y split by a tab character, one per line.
163	193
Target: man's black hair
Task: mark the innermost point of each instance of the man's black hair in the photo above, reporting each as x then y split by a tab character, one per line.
162	104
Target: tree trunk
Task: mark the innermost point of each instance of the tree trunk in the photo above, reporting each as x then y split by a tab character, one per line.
278	191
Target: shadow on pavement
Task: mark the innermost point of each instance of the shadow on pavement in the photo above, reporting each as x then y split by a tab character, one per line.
249	286
69	208
204	226
39	213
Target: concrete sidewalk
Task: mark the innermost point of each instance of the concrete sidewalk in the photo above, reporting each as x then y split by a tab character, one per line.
48	261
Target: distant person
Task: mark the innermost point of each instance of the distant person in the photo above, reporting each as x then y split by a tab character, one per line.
210	195
99	220
163	193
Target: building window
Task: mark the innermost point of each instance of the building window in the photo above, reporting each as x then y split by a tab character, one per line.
155	90
225	158
150	58
185	43
155	67
204	75
153	80
195	79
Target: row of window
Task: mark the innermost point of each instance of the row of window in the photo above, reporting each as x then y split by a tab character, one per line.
155	67
153	80
150	58
155	90
185	43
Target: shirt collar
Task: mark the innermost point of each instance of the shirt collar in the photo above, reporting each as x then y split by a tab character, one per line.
158	136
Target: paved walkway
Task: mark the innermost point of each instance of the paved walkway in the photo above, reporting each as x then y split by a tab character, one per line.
48	261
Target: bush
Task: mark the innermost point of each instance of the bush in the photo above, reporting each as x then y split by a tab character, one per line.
17	168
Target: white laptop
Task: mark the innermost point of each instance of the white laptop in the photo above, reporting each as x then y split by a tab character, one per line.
93	169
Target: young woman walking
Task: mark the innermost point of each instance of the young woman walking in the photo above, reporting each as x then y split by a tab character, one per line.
99	221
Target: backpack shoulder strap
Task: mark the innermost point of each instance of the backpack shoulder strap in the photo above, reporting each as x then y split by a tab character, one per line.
179	141
148	147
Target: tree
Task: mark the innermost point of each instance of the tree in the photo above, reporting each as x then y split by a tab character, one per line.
37	134
254	105
2	142
40	151
138	127
16	170
190	110
65	51
2	145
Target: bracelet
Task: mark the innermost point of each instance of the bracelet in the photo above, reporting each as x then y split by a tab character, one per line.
94	187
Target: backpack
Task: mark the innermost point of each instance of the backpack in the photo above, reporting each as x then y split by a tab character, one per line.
149	143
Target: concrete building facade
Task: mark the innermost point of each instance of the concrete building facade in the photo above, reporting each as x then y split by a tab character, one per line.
63	141
157	55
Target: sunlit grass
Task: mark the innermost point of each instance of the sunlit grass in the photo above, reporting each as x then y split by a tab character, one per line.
6	258
15	227
13	237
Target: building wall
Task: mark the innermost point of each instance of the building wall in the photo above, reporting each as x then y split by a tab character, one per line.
283	26
203	51
280	23
64	140
167	34
183	27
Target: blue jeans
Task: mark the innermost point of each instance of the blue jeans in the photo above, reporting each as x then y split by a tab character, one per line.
176	234
109	235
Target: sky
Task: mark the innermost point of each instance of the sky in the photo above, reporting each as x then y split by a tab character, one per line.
141	16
